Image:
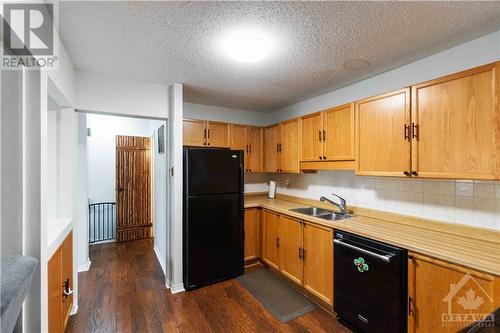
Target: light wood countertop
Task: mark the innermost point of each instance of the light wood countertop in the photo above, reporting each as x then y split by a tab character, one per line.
472	247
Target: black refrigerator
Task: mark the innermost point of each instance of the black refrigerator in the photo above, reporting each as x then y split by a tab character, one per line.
212	216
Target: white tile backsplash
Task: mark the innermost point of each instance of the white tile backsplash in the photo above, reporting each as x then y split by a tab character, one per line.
475	203
484	190
465	189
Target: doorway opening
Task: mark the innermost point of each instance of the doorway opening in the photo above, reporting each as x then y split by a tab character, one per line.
126	180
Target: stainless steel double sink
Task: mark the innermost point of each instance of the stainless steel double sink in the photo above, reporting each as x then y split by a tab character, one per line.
321	213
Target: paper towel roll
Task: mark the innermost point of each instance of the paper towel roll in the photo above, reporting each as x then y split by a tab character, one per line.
272	189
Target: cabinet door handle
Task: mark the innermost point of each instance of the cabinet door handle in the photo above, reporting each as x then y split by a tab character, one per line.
414	131
250	148
205	133
319	134
304	252
324	135
277	148
414	173
407	132
406	173
208	133
277	242
300	253
411	305
320	157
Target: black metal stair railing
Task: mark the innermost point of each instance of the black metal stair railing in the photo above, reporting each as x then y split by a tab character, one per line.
102	222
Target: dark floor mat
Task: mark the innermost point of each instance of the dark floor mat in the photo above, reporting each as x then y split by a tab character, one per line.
284	302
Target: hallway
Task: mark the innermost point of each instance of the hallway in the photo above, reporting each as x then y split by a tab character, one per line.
124	292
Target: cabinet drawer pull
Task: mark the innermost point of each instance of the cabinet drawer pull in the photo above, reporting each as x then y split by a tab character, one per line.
414	131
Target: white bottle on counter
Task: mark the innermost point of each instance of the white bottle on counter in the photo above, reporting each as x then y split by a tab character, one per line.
272	189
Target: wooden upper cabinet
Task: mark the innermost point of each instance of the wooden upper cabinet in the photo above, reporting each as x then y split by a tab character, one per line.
239	142
218	134
271	149
239	137
193	132
438	291
456	125
270	237
289	146
256	155
338	133
382	135
312	137
252	238
318	255
290	235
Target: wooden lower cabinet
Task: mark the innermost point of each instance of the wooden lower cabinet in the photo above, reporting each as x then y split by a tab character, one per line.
55	292
60	272
270	246
442	294
252	238
290	248
318	261
302	252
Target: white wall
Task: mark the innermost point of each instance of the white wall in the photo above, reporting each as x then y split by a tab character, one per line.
174	231
108	94
101	150
11	176
219	113
256	182
474	53
81	218
53	131
160	173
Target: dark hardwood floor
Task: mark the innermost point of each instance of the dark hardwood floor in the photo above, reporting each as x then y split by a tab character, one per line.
124	292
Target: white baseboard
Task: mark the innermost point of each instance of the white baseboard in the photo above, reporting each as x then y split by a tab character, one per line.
84	267
161	260
74	310
177	288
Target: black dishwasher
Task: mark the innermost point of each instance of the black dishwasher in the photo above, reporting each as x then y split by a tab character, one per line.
370	284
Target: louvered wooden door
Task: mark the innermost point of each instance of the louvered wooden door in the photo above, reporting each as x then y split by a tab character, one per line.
133	188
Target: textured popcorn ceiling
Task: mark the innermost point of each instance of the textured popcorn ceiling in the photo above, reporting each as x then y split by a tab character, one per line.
164	42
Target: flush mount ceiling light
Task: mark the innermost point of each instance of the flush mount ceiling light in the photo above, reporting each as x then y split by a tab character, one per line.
356	64
246	48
